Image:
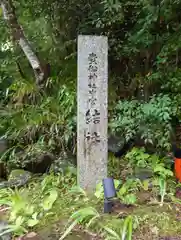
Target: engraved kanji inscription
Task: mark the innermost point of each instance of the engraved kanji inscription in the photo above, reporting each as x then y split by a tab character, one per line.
96	116
94	137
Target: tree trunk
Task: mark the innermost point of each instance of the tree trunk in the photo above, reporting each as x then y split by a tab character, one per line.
18	36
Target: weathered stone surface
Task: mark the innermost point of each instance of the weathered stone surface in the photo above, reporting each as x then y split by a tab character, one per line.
115	143
17	178
14	174
39	163
92	110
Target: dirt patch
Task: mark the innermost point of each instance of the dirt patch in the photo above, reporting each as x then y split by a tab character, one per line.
170	238
55	232
145	233
122	209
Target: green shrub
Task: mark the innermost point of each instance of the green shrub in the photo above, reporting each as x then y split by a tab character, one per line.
150	121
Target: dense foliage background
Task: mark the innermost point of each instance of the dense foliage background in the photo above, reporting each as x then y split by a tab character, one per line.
144	72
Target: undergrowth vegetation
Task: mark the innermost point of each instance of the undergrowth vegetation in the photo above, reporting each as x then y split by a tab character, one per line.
34	128
52	197
38	113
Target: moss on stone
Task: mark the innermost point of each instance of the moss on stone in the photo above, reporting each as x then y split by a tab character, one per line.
16	173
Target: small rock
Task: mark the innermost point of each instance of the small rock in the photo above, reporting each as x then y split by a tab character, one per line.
30	236
39	164
17	173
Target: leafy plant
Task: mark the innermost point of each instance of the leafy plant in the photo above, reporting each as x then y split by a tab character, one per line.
26	210
127	191
82	216
137	157
15	228
46	126
125	230
149	121
162	171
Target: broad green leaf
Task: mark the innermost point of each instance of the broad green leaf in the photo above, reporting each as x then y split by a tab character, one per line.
49	200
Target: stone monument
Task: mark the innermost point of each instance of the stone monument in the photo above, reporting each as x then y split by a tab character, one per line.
92	88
